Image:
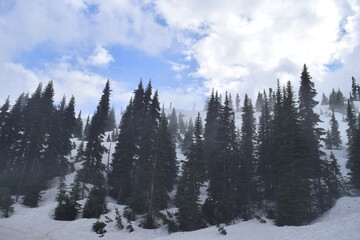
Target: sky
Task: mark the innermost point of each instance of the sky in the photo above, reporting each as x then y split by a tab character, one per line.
185	47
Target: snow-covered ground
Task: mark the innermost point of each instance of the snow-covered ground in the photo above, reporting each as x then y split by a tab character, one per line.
342	222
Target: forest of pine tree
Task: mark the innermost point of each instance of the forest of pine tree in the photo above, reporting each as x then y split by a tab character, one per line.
273	165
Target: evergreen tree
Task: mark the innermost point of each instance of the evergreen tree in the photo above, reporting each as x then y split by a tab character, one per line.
122	165
186	143
334	180
312	134
163	172
259	102
247	180
351	121
96	202
353	162
173	126
324	100
86	129
334	133
4	141
263	164
193	176
221	205
354	89
143	165
67	208
211	127
92	171
292	188
182	127
78	129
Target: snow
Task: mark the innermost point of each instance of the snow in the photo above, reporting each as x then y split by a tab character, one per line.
339	223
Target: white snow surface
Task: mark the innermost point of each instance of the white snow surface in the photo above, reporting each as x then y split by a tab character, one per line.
342	222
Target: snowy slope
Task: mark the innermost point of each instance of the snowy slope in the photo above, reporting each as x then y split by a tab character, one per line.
341	222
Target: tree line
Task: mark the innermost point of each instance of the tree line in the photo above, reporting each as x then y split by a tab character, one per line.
275	168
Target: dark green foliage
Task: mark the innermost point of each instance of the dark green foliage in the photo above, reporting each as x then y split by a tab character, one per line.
189	214
351	121
80	152
181	123
222	230
86	129
264	164
260	219
99	228
259	102
186	142
247	185
4	141
93	168
173	126
118	219
163	170
211	128
292	189
170	221
130	228
336	101
221	205
123	158
149	222
96	203
67	208
128	214
33	194
333	138
354	89
6	203
78	129
353	163
334	181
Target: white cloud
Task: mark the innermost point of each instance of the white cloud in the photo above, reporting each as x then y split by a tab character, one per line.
100	57
246	46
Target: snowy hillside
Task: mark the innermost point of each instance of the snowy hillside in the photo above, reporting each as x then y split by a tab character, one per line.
341	222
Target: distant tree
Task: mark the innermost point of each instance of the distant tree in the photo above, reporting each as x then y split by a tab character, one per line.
110	120
181	123
335	133
325	100
237	103
354	89
186	142
86	129
173	126
78	129
259	102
